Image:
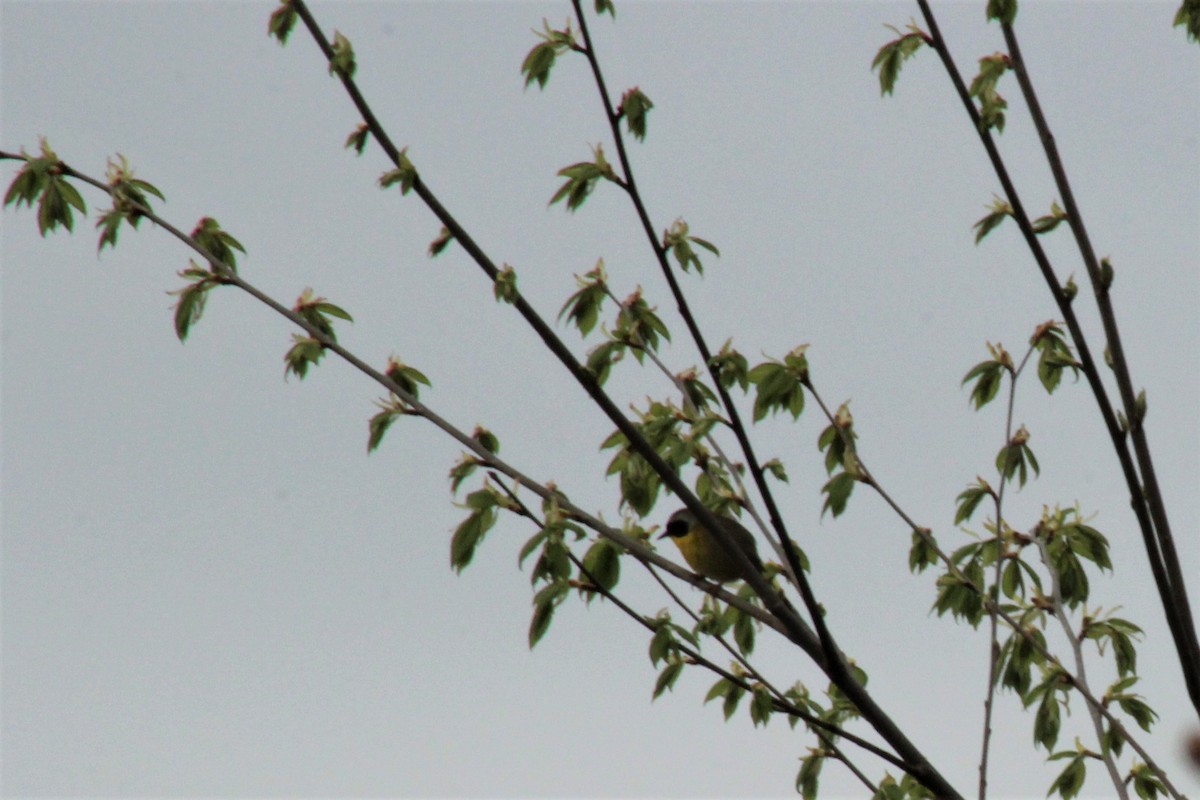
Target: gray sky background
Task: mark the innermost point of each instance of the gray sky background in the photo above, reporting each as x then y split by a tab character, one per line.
210	589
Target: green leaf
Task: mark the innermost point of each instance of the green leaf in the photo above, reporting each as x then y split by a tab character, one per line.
988	377
443	240
1070	781
462	470
544	604
378	427
1188	16
761	705
635	105
719	689
779	386
190	306
922	553
581	179
1055	356
358	139
1047	721
743	632
808	778
505	286
282	20
605	5
969	499
1003	10
583	307
837	492
404	174
1049	222
218	243
305	352
638	326
486	439
1016	458
407	377
731	367
1145	782
991	104
678	242
602	357
732	698
343	56
538	63
670	673
775	469
471	530
603	563
893	54
316	311
1000	210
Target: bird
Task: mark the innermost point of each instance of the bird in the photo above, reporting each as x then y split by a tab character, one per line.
703	553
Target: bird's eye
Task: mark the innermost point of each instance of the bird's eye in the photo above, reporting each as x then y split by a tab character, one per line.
676	528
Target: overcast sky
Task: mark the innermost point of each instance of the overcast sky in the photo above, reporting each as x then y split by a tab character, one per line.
209	587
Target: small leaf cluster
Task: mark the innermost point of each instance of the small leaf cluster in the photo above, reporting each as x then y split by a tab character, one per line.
282	21
307	350
838	712
841	461
999	211
192	297
1048	222
991	103
505	286
1054	355
634	107
357	140
582	309
637	326
779	384
469	461
678	242
581	178
540	59
892	55
409	379
666	428
404	174
129	201
219	245
342	63
989	375
42	179
553	567
665	649
1016	458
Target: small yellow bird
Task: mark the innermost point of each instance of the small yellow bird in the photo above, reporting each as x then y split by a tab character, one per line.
703	553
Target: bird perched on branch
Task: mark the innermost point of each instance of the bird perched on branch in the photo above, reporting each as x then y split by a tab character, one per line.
703	553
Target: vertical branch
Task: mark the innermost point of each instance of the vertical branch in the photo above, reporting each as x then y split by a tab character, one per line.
994	629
